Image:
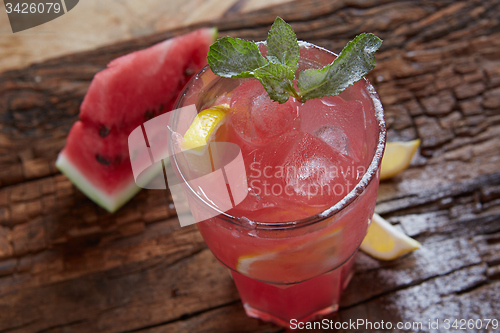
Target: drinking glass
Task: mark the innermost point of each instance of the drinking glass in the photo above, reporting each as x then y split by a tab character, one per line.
290	269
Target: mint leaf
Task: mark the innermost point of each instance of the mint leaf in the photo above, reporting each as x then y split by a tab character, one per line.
277	79
354	62
234	58
282	45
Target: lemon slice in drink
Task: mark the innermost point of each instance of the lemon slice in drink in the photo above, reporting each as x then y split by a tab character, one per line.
383	241
297	259
397	157
203	127
200	133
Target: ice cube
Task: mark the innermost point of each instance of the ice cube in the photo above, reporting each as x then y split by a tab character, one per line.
256	118
316	175
339	123
335	137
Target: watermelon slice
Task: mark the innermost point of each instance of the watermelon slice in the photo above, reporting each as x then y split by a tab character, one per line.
131	90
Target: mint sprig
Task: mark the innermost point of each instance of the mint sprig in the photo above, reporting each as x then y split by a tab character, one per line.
277	79
236	58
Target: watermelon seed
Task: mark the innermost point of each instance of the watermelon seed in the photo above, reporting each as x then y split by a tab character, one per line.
103	131
102	160
149	114
188	71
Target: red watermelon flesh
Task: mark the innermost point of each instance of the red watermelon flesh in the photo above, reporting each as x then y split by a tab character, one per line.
133	89
108	156
141	85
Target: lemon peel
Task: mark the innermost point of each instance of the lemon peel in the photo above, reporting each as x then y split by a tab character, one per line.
397	157
385	242
204	125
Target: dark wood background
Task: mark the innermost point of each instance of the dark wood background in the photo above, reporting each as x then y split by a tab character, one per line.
68	266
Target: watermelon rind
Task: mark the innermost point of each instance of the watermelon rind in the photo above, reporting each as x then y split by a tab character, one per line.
111	203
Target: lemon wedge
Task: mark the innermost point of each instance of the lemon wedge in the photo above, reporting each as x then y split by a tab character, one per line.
204	125
397	157
383	241
320	252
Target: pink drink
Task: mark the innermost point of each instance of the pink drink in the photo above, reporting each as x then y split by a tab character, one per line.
312	174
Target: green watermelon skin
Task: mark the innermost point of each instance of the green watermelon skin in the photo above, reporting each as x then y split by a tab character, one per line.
131	90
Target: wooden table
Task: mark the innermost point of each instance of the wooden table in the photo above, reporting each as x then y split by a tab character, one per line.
68	266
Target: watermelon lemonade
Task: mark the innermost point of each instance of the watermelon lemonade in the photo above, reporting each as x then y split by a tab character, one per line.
311	183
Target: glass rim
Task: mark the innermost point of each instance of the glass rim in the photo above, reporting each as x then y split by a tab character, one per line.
345	202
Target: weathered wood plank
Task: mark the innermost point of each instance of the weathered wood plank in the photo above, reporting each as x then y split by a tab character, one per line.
115	299
227	319
375	279
462	294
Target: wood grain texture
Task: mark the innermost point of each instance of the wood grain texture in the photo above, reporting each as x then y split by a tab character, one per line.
68	266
